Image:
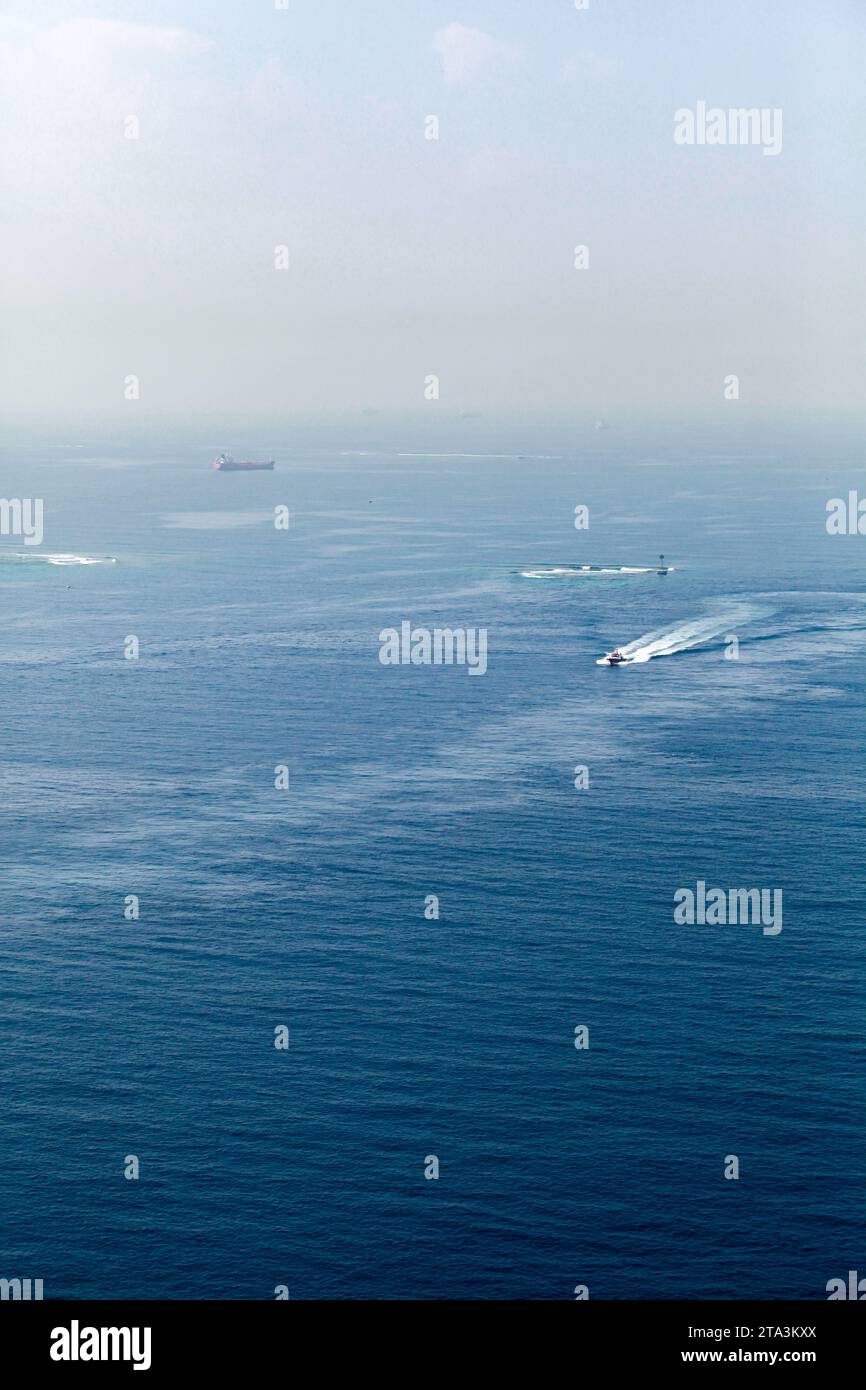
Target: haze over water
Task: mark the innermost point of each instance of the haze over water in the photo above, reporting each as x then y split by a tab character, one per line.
468	277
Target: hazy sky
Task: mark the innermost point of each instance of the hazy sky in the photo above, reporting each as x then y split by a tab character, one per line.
260	127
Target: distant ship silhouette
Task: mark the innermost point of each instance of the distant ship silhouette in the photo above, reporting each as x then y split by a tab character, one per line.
224	463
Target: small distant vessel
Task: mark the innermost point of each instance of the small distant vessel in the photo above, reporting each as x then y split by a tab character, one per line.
224	463
601	424
663	568
615	658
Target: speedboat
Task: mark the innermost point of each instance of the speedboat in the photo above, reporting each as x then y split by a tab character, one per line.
615	658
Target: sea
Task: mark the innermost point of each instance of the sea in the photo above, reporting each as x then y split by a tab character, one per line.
327	978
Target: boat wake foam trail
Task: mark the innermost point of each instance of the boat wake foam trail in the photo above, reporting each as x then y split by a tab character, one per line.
26	557
666	642
588	571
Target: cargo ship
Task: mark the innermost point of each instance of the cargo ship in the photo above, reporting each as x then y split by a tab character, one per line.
224	463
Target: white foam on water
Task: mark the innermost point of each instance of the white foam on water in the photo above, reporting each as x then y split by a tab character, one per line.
60	559
669	641
588	571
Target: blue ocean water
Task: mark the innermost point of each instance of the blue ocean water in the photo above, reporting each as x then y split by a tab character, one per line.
305	907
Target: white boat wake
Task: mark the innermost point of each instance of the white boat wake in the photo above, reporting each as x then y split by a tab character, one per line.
668	641
32	557
589	571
